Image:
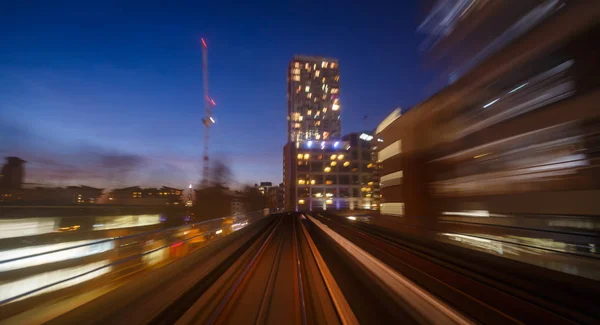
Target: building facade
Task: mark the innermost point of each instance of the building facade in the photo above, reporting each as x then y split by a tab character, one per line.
328	175
313	95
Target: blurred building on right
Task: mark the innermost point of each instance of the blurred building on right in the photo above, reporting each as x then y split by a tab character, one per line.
517	131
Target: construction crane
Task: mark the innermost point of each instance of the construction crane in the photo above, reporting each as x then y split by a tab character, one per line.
208	120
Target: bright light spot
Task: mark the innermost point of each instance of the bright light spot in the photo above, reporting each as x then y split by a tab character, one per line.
336	144
340	157
351	218
190	186
329	201
300	201
491	103
212	119
327	169
333	163
366	137
379	140
307	89
335	107
346	164
333	157
218	231
306	156
309	144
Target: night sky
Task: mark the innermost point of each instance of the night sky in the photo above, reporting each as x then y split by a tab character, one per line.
110	94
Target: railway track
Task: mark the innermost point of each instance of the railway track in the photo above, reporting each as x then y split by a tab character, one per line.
277	281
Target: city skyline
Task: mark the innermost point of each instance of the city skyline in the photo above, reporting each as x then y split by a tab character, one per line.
84	103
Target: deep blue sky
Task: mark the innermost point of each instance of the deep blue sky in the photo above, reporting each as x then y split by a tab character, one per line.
110	94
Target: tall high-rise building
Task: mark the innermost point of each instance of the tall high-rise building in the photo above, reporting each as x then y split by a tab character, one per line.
313	99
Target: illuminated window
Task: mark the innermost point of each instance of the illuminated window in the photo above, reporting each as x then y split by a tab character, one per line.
318	113
317	73
329	201
296	78
306	66
337	78
329	194
340	157
299	156
324	97
297	64
333	163
332	65
312	182
297	125
324	64
323	80
335	107
318	123
296	71
301	182
318	194
346	164
333	157
309	112
324	109
370	165
327	169
317	136
306	156
301	117
325	135
307	89
309	95
334	90
300	201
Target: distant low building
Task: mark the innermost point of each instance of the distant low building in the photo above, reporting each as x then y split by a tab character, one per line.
12	174
136	195
40	195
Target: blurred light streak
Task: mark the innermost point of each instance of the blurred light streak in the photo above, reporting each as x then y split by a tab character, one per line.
55	280
126	221
468	213
491	103
29	256
521	86
11	228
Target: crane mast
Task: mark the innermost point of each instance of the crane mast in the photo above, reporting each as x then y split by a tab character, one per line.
208	119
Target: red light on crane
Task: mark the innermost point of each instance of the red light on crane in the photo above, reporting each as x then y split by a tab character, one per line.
212	101
203	42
